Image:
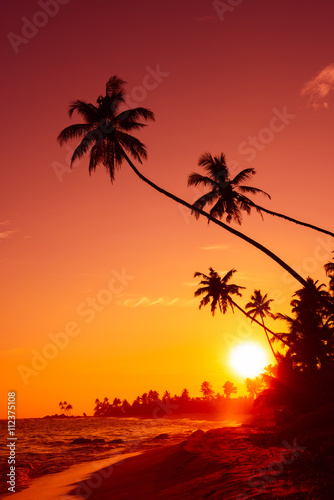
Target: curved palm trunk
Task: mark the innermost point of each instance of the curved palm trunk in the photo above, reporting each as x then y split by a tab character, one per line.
271	346
262	325
219	223
296	221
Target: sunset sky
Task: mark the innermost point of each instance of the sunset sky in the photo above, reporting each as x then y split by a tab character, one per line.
252	79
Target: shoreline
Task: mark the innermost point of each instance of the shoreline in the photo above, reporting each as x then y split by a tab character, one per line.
57	486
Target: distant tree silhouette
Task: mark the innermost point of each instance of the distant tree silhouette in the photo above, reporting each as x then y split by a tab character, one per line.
227	195
259	305
217	290
229	388
166	396
126	407
68	409
105	133
62	406
207	390
185	397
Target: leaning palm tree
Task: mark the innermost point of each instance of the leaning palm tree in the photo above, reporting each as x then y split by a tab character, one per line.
105	134
259	305
218	291
228	196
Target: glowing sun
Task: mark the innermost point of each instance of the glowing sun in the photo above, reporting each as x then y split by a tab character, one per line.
248	359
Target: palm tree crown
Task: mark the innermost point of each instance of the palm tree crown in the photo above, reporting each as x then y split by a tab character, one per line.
217	290
225	194
105	131
259	305
228	196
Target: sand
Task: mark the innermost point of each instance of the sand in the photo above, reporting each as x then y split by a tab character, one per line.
230	463
295	462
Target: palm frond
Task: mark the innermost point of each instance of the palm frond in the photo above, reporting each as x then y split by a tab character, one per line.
114	84
93	136
133	145
242	176
73	132
199	204
134	114
253	190
87	110
195	179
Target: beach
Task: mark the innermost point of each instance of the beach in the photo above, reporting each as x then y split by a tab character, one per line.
292	461
230	463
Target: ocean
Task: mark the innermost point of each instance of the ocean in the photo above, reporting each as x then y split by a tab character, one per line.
44	446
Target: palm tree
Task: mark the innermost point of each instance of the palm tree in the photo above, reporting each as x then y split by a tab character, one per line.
329	268
68	409
105	133
260	306
311	329
254	386
219	292
227	195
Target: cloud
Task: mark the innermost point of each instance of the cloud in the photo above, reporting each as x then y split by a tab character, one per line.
214	247
6	234
137	301
318	89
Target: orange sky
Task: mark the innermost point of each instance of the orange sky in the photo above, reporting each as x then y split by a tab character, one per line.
220	80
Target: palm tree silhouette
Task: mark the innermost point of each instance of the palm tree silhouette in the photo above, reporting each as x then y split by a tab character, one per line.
228	195
68	409
219	292
311	329
105	133
329	268
260	306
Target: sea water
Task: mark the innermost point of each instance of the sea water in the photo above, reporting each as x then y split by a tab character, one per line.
44	446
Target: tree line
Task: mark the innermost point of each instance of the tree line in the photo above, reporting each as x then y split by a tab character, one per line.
150	402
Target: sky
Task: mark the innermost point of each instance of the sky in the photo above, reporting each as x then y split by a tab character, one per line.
97	295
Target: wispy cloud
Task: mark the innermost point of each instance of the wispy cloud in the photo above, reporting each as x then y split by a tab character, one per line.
137	301
215	247
318	89
6	234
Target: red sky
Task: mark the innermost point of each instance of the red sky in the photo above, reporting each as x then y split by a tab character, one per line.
222	78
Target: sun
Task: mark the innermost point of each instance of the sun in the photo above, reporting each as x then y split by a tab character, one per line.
248	359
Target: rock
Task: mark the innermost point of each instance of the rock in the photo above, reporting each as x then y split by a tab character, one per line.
161	436
197	434
117	441
81	441
98	440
